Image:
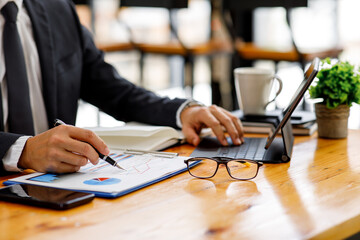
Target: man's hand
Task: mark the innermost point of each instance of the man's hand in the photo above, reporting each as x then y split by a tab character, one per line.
197	117
62	149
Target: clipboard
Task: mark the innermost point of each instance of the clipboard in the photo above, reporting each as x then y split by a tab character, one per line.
103	180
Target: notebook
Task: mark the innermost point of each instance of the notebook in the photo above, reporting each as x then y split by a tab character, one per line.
267	150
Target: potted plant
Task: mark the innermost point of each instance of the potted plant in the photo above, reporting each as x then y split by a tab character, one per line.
338	85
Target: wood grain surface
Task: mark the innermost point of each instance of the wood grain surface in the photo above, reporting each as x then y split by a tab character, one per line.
314	196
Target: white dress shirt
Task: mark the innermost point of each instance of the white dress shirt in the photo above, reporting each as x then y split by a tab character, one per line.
35	83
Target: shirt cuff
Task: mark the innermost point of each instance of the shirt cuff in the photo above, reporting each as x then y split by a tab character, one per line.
184	105
12	156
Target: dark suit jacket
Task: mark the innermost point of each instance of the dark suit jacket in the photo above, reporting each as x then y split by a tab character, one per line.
73	68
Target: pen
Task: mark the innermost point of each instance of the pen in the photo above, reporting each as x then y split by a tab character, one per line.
107	159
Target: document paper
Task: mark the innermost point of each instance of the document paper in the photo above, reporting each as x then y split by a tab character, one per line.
107	181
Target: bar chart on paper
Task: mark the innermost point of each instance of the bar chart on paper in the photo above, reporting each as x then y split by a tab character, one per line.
107	181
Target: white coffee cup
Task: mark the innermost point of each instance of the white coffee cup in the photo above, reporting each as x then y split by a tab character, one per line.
253	88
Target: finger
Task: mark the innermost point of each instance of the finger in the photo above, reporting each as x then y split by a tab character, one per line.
62	167
212	122
65	140
228	122
240	129
82	148
238	125
90	137
71	158
190	135
56	156
219	133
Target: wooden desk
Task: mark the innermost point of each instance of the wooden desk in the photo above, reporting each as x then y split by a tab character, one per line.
315	196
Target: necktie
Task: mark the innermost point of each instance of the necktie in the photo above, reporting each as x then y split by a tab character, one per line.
20	117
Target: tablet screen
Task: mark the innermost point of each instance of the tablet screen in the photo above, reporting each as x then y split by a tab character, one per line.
309	76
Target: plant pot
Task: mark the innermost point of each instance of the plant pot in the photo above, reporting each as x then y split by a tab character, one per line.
332	123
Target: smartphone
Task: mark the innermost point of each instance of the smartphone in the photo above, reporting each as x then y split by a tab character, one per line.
45	197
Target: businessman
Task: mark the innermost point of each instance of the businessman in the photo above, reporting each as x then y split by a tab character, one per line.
48	62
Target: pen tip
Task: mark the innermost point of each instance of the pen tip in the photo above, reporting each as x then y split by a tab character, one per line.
118	166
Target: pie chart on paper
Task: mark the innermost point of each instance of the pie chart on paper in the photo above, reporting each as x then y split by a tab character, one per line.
102	181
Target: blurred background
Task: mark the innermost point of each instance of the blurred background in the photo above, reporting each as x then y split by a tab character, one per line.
181	48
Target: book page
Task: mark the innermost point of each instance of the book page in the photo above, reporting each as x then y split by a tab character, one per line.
140	137
140	169
140	130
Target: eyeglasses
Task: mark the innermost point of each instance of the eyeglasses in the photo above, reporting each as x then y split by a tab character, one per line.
240	169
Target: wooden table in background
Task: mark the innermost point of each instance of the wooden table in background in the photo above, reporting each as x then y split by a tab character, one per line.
315	196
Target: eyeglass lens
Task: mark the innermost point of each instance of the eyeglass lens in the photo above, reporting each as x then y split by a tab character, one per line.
239	169
242	169
204	169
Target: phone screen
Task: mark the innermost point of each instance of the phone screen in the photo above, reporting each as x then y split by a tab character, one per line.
44	196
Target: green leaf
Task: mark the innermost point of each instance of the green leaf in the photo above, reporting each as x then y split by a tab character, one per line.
337	84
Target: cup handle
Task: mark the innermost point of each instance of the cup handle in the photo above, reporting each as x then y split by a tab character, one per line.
278	91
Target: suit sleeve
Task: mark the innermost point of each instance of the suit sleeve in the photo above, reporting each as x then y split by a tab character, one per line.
81	72
105	88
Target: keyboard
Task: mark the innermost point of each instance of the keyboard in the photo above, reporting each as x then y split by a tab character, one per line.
253	148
